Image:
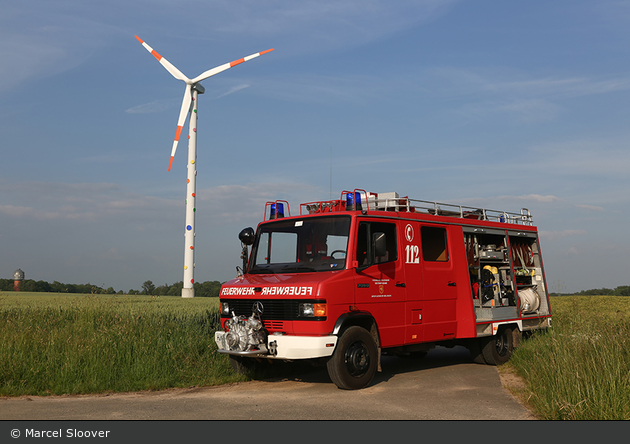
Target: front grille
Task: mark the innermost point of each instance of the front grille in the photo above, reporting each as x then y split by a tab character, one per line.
274	325
274	309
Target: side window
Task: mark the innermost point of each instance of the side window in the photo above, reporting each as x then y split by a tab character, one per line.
366	252
434	245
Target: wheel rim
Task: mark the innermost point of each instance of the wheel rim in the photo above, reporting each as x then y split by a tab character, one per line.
502	344
357	359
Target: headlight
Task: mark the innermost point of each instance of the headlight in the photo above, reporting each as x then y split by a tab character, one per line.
225	308
311	309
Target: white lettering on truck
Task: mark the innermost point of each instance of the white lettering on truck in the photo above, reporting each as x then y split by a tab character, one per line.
288	291
239	291
268	291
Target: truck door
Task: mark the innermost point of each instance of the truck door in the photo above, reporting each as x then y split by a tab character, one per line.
410	247
379	278
439	284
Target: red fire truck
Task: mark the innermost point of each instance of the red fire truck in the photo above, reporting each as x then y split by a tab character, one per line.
346	280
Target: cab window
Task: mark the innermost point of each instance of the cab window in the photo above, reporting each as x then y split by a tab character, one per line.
366	252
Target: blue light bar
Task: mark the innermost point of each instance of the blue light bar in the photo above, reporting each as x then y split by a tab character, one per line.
277	210
357	199
350	202
353	202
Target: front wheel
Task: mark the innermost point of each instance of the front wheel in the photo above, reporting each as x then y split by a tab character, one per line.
498	349
353	363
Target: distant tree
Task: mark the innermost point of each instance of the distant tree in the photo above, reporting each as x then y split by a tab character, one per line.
598	292
208	289
148	288
58	287
36	286
176	289
623	290
162	290
6	284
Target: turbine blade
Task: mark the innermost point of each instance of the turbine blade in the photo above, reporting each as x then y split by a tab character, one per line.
183	113
165	63
225	66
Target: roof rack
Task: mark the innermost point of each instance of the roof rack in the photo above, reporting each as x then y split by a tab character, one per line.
360	200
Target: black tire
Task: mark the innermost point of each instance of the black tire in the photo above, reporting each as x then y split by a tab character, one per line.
474	347
498	349
353	363
517	338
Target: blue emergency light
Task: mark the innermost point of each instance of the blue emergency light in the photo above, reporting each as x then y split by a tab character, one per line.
353	201
277	211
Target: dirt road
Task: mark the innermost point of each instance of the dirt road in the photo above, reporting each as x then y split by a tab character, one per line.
443	385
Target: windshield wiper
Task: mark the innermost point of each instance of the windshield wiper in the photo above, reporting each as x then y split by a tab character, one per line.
297	268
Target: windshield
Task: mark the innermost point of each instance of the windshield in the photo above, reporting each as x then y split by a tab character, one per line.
301	245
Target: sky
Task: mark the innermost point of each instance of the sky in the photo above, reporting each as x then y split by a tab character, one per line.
493	104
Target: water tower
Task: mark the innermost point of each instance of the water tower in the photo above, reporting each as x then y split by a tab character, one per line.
18	277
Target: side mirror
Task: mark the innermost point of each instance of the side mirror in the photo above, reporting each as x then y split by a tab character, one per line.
247	236
380	246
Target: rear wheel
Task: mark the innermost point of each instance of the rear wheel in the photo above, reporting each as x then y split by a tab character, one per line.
353	363
474	347
498	349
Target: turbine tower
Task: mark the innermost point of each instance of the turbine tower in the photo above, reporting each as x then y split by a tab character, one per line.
189	106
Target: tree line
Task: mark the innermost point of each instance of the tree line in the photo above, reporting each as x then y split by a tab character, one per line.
209	289
623	290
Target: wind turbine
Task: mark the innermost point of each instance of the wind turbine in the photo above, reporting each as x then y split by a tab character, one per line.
189	106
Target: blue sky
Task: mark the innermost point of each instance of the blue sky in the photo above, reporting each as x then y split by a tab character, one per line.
496	104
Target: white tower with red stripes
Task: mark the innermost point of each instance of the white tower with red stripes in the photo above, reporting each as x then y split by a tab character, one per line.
189	106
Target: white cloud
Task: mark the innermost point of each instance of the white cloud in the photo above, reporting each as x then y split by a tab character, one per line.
534	198
591	207
157	106
81	202
326	23
239	203
552	235
234	89
42	38
529	99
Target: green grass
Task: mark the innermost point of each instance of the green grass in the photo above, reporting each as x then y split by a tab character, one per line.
579	369
72	344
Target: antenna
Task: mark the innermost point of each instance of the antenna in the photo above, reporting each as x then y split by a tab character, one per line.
331	168
190	106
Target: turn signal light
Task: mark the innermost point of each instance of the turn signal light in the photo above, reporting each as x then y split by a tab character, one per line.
311	309
320	310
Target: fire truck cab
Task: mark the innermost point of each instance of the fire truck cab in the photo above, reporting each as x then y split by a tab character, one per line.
346	280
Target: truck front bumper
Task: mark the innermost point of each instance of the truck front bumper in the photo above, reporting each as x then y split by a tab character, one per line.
285	347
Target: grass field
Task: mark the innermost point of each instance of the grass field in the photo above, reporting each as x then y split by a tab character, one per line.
73	344
580	369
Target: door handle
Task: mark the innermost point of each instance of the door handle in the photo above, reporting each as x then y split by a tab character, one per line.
400	284
452	284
